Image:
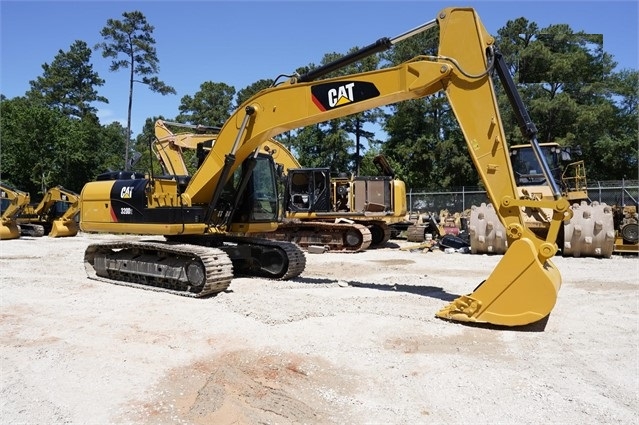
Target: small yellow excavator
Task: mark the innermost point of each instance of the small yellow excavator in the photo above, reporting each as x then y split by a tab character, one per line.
208	218
12	202
56	213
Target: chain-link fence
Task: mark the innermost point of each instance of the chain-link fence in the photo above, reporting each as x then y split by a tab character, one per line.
611	192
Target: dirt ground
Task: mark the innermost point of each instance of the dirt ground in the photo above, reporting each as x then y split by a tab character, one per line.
354	340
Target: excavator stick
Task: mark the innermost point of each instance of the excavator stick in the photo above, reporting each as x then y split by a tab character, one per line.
520	290
63	228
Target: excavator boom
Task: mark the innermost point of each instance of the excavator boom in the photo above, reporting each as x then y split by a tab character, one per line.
169	146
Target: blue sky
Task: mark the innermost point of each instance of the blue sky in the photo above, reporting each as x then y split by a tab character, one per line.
240	42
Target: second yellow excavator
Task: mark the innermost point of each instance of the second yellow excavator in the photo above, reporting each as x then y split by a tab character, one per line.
12	202
346	214
56	213
208	218
337	214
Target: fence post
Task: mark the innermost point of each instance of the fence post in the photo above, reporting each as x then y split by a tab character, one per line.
599	186
410	201
463	198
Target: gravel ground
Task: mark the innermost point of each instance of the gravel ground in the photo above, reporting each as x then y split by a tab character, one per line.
354	340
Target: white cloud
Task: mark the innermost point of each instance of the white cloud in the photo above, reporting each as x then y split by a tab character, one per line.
107	116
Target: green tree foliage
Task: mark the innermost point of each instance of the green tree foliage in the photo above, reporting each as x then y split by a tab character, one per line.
321	145
573	95
211	105
108	143
130	44
424	138
42	147
618	145
68	83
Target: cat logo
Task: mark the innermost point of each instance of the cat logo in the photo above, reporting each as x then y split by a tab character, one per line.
340	95
126	192
334	95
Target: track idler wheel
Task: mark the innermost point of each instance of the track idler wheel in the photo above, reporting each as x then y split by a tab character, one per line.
520	291
196	274
380	233
353	238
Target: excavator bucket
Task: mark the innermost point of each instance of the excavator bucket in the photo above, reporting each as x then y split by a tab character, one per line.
9	231
63	228
520	291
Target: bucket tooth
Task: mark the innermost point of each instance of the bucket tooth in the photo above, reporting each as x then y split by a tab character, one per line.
521	290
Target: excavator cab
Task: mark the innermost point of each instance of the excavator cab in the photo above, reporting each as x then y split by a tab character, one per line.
253	190
527	169
307	189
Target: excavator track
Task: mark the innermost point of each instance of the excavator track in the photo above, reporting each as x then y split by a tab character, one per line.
337	237
253	256
30	229
181	269
281	260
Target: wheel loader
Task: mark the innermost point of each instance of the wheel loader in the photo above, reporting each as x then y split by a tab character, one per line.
208	218
56	213
590	232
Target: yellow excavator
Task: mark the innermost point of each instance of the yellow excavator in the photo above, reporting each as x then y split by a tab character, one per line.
12	202
207	219
56	213
347	214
